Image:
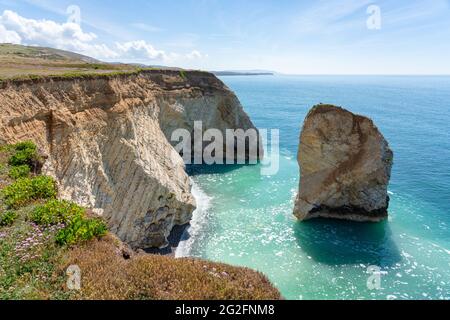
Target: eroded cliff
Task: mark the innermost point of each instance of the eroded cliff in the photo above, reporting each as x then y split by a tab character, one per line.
106	141
345	167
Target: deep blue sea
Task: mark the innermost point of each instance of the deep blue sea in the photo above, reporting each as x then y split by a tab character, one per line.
246	219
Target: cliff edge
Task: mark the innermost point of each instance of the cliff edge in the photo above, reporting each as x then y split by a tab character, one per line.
106	141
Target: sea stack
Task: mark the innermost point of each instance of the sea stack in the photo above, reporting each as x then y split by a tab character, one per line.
345	167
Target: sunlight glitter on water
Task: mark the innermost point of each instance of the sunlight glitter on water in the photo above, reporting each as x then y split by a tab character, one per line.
249	219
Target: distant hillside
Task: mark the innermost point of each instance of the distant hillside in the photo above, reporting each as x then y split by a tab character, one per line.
17	61
41	53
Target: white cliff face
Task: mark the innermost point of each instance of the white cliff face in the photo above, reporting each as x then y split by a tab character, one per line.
345	166
106	141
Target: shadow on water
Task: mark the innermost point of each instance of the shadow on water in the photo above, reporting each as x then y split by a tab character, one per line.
199	169
335	242
176	236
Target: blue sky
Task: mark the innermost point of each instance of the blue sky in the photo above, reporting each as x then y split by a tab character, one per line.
298	37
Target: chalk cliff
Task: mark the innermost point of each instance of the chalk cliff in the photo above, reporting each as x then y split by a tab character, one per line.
345	167
106	141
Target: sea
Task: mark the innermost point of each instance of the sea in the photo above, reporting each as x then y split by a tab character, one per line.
244	218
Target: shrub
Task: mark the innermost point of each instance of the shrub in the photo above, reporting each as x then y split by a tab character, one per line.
19	193
55	212
7	218
81	229
44	187
25	154
77	227
17	172
108	276
25	190
25	145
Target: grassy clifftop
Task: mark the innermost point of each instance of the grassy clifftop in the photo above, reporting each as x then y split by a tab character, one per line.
18	61
22	63
41	236
40	53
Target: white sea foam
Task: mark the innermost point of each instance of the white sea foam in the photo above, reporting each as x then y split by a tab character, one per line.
198	222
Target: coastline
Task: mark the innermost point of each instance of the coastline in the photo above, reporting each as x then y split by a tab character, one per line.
182	237
174	239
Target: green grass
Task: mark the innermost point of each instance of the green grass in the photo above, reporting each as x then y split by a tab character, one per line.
89	66
76	75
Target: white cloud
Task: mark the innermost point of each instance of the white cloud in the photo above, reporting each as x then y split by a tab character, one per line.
44	30
143	51
194	55
70	36
7	36
140	50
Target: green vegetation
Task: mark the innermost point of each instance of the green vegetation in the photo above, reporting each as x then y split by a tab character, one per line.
21	171
24	157
82	74
30	262
81	230
25	154
56	212
76	227
21	158
26	190
7	218
34	239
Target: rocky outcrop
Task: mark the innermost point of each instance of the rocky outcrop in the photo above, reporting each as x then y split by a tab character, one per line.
106	141
345	167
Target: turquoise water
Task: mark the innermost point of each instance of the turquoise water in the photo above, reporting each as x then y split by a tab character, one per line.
246	219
